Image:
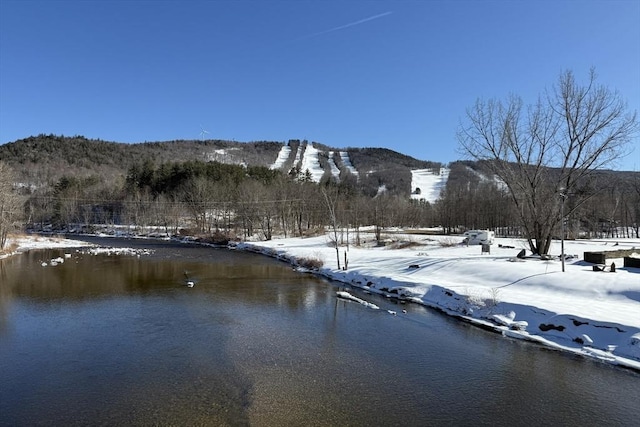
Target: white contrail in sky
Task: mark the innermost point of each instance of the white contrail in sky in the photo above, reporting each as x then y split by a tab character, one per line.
351	24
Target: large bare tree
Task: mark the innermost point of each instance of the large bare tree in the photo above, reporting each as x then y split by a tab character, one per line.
545	151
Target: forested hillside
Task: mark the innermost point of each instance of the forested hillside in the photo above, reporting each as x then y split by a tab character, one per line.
44	159
293	188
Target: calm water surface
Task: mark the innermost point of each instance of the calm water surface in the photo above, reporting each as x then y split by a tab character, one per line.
119	340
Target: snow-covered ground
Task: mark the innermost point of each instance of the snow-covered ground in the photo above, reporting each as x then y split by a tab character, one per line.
224	155
283	155
26	243
595	314
591	313
429	183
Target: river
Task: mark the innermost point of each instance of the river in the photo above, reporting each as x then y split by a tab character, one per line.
120	340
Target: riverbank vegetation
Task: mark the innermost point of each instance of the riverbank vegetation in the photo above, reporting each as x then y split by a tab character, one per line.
212	198
208	199
539	173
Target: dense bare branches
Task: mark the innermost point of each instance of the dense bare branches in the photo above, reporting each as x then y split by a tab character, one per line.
596	126
548	148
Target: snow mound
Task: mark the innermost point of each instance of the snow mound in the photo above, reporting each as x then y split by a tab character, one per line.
508	321
348	296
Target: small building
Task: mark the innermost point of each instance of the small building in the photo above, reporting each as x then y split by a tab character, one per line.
479	237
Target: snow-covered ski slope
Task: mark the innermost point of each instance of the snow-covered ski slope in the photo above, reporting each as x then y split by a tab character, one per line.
335	172
346	161
429	183
283	155
307	159
311	162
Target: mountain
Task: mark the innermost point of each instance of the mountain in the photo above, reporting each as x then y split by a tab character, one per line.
44	159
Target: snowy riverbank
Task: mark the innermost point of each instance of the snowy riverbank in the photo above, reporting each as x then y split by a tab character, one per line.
23	243
594	314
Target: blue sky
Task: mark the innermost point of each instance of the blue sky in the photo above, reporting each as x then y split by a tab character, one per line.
395	74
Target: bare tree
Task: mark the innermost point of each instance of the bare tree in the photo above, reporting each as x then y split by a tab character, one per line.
331	199
244	197
546	151
196	194
9	203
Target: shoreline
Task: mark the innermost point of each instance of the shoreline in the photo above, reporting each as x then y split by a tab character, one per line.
496	323
458	303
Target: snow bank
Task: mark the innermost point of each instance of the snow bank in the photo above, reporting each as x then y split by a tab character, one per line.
348	296
27	243
595	314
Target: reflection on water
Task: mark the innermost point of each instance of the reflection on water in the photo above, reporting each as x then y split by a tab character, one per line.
121	340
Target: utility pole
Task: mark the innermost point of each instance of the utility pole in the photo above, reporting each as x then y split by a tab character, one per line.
563	196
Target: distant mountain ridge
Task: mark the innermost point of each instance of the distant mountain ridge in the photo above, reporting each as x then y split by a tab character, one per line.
45	158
